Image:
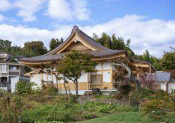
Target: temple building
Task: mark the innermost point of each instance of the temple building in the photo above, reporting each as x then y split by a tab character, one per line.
45	66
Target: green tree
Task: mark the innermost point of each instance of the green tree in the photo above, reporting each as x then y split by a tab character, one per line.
55	43
5	45
34	48
74	64
167	62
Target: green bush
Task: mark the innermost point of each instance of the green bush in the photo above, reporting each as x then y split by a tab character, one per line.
160	110
52	90
24	88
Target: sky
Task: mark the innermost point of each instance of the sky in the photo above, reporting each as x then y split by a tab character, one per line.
150	24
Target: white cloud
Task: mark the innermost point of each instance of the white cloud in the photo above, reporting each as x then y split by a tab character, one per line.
155	35
27	8
60	9
80	9
68	10
1	17
20	34
5	5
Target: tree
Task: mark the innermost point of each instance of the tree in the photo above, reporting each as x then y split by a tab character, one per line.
5	45
167	62
122	79
74	64
55	43
146	80
34	48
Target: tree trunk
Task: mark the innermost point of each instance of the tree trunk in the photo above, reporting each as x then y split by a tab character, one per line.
65	86
76	87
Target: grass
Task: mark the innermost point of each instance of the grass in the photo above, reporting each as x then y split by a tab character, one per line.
124	117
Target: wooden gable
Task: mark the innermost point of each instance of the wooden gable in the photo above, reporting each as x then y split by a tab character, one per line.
75	42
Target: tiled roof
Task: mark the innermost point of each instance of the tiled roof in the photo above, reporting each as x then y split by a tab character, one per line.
161	76
45	58
8	62
103	51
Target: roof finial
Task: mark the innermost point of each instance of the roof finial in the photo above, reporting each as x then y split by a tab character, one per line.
75	27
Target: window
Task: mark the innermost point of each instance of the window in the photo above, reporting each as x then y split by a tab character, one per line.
13	68
96	78
3	68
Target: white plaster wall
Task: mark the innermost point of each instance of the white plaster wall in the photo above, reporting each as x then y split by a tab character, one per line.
44	76
163	86
106	76
50	77
171	87
106	66
84	78
98	67
37	78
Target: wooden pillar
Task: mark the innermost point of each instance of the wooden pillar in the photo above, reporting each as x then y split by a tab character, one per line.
150	68
111	77
102	70
47	80
42	78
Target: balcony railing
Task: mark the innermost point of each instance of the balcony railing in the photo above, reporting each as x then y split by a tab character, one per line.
4	84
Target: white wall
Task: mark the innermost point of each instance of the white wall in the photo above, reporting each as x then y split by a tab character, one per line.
15	80
106	76
171	87
37	78
163	86
106	66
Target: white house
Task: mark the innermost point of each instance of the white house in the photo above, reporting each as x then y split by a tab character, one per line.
164	81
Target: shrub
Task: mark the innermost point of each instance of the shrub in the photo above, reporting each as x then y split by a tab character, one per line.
160	109
52	90
24	88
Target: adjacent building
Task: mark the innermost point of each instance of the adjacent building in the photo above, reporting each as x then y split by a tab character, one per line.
45	66
164	81
8	70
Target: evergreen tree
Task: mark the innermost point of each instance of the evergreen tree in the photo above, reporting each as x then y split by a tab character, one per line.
34	48
167	62
55	43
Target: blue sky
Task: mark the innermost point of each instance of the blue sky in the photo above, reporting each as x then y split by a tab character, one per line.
150	24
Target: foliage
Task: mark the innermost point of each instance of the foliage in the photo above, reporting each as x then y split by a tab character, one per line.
55	43
113	42
168	60
146	80
64	110
149	58
158	105
160	109
122	82
32	48
25	88
35	48
52	90
73	65
5	45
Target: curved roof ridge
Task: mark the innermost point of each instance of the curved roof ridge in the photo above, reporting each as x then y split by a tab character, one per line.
84	36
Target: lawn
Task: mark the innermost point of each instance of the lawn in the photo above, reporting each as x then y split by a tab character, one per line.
124	117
